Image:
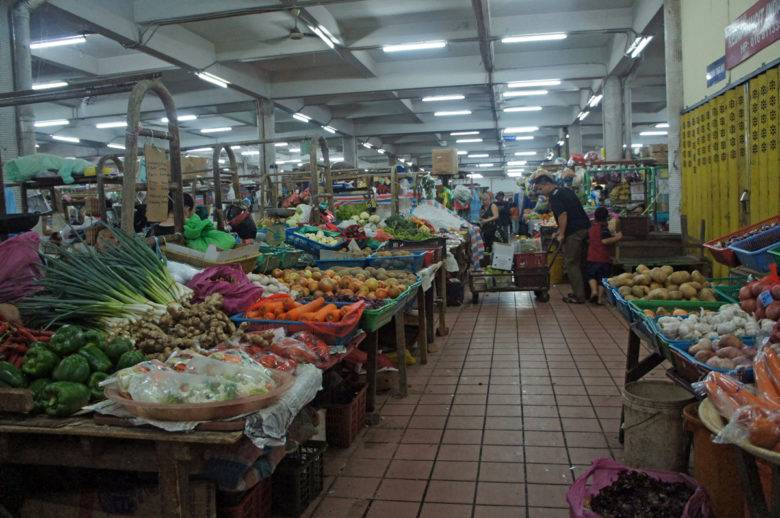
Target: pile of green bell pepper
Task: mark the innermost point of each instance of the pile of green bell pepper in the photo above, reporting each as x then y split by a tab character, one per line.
65	374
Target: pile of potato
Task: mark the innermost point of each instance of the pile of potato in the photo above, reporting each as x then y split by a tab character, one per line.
662	283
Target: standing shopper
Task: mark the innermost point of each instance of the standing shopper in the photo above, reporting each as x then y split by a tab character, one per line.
488	221
514	213
573	226
503	217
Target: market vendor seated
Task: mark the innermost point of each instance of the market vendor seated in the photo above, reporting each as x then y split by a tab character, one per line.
167	228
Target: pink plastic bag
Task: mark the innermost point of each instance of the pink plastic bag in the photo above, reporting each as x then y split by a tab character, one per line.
21	266
231	282
603	472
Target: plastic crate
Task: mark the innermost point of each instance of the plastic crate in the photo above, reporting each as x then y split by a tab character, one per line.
308	245
726	255
373	319
635	226
344	422
247	263
775	253
727	293
437	245
692	370
298	479
353	262
531	278
609	291
253	503
408	263
753	252
531	260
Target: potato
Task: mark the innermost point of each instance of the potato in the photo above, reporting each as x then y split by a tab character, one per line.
658	275
655	285
658	294
668	269
624	290
730	340
702	345
697	276
679	277
720	363
675	295
637	291
707	295
642	279
703	356
630	297
729	352
672	287
688	291
696	285
642	269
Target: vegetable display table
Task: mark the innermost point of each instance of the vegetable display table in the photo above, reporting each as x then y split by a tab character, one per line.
78	442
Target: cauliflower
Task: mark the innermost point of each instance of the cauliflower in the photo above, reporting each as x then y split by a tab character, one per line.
374	218
364	215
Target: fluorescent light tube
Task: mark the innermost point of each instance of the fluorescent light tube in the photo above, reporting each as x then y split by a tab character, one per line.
216	130
662	125
653	133
523	109
525	153
487	164
327	33
321	35
70	40
181	118
524	93
451	113
468	140
636	145
517	162
513	174
583	115
115	146
534	37
381	151
112	124
46	86
55	122
534	83
521	129
329	129
561	142
299	164
463	152
456	133
594	100
73	140
294	150
638	46
200	150
367	145
280	144
479	155
435	98
333	160
439	44
474	175
301	117
250	153
211	78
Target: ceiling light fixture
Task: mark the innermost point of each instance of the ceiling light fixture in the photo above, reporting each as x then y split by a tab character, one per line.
534	83
367	145
301	117
479	155
452	113
435	98
381	151
457	133
46	86
638	46
200	150
468	140
73	140
329	129
583	115
525	153
280	144
423	45
216	130
523	109
115	146
662	125
463	152
525	93
321	35
294	150
112	124
70	40
181	118
594	100
653	133
474	175
522	129
519	137
534	37
487	164
637	145
328	34
211	78
514	174
517	162
55	122
560	143
250	153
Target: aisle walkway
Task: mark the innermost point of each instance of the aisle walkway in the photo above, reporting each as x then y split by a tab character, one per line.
521	397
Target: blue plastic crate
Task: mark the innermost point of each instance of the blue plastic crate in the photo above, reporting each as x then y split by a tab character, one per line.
413	262
753	252
308	245
325	264
692	369
610	292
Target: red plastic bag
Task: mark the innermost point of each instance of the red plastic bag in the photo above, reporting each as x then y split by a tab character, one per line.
229	280
762	297
21	266
314	343
603	472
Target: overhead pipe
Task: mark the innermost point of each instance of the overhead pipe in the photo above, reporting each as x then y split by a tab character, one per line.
22	69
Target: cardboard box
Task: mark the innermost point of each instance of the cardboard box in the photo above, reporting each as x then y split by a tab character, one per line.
503	256
445	161
122	500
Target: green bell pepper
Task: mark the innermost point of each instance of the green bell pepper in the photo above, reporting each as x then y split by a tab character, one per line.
36	387
73	368
12	376
63	398
97	359
116	347
96	391
39	361
129	359
67	340
93	336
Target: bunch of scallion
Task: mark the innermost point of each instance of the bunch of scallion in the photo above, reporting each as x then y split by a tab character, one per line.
122	284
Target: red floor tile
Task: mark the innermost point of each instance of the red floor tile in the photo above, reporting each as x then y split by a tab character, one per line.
433	510
331	507
496	493
402	490
501	472
450	492
410	469
422	436
388	509
354	487
365	467
455	470
497	511
416	451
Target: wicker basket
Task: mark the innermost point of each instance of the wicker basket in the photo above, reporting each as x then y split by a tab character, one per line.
247	263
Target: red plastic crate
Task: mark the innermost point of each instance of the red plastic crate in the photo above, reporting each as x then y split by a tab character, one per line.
727	256
532	260
253	503
343	423
531	278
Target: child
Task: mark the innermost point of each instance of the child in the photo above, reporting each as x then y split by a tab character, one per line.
599	262
514	214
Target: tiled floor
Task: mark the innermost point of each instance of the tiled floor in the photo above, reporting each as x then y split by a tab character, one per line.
520	399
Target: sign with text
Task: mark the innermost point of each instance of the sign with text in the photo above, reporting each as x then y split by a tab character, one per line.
194	166
755	29
716	71
157	180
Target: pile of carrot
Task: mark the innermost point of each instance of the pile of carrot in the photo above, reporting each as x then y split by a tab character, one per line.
288	309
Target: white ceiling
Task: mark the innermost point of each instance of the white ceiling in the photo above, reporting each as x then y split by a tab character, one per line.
356	88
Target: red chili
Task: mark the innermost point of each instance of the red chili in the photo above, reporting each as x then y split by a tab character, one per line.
43	333
45	339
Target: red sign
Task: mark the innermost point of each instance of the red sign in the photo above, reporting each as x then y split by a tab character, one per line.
755	29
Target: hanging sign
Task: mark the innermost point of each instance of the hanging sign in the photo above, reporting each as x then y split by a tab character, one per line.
157	176
716	71
755	29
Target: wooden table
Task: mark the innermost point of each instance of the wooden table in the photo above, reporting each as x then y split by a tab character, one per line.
80	443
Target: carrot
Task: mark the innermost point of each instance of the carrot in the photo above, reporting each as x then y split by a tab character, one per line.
289	304
255	315
306	316
323	314
272	307
766	388
270	316
314	305
773	366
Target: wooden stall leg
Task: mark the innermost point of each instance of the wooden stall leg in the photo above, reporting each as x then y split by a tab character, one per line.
422	324
443	330
372	347
429	308
174	480
400	347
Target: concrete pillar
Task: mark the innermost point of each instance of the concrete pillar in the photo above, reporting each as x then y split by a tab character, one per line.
627	118
8	143
266	131
612	108
575	138
350	151
22	71
674	104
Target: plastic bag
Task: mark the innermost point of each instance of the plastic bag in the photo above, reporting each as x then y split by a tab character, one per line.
181	272
288	347
200	233
274	361
229	280
25	167
314	343
21	266
603	472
